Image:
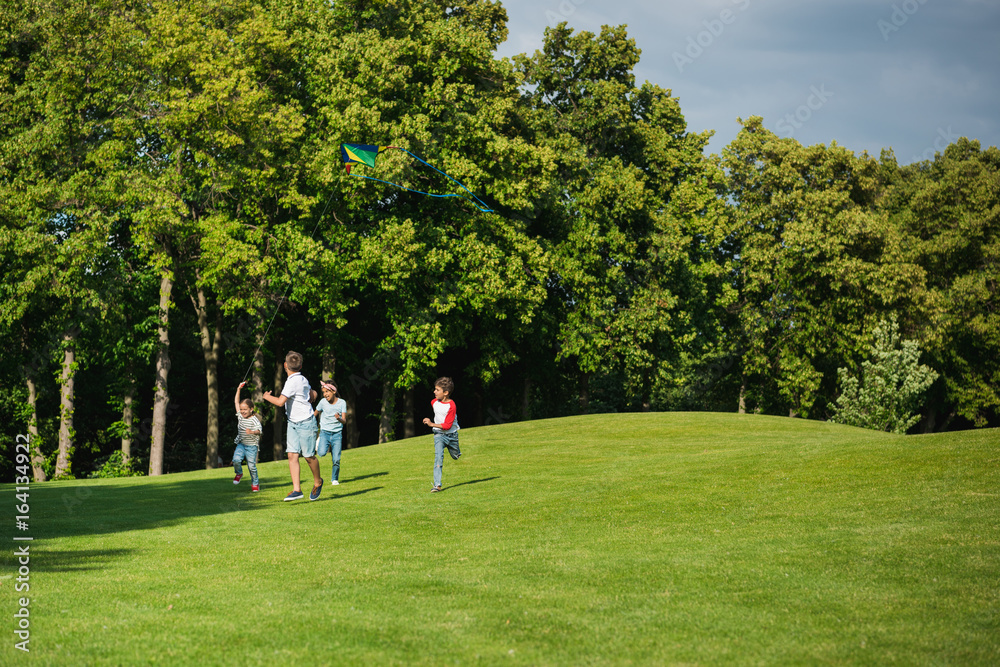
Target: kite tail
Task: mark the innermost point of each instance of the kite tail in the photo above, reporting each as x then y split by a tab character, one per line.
475	201
481	205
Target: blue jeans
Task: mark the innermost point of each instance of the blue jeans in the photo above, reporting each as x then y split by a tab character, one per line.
301	438
444	441
331	442
249	452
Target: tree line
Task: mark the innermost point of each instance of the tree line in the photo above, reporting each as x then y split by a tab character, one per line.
175	216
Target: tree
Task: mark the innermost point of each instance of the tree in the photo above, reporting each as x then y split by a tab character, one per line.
429	274
817	264
62	89
217	130
887	392
631	219
947	212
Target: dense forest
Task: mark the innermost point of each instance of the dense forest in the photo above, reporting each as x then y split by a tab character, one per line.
175	216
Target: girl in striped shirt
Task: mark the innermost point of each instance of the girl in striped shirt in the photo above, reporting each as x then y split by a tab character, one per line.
247	440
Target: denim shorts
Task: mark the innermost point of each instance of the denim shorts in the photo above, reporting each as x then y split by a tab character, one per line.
301	438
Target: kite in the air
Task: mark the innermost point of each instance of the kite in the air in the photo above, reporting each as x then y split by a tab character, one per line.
366	154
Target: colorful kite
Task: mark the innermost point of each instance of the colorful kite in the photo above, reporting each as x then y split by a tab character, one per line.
366	154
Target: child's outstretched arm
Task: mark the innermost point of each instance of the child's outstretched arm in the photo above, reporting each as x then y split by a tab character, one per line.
236	400
275	400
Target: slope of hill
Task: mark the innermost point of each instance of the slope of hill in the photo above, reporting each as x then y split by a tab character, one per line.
636	538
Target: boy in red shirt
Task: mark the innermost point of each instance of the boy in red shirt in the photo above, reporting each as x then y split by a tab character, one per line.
445	427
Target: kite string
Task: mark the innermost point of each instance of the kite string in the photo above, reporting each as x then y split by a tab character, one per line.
287	289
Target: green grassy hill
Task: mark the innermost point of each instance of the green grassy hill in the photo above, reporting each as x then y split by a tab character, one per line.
607	539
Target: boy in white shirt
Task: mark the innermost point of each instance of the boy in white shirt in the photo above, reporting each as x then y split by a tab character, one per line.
297	397
445	427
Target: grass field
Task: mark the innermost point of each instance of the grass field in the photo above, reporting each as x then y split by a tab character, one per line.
679	538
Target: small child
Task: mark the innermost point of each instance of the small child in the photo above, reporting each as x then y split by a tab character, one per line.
445	427
247	440
330	411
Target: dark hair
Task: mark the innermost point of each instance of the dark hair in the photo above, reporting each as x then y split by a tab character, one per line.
447	386
247	402
294	361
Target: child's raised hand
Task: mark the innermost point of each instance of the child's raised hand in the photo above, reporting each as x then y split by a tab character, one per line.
242	384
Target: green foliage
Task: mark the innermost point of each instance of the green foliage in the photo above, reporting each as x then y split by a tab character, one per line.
947	212
629	218
815	262
621	270
887	392
117	466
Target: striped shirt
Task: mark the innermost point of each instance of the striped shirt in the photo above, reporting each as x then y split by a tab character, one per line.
252	423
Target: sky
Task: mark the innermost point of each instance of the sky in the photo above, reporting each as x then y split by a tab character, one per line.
911	75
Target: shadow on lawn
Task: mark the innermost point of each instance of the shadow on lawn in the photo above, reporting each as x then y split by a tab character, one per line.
360	477
81	507
338	496
81	560
473	481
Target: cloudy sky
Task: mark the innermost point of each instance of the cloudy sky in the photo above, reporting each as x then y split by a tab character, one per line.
913	75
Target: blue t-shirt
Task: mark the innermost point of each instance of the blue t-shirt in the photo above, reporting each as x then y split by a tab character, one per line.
327	410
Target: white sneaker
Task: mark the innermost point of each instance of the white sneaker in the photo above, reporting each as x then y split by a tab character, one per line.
334	482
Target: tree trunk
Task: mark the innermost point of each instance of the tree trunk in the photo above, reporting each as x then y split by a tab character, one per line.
409	416
210	350
34	444
279	411
526	398
66	398
743	403
584	393
128	416
928	422
346	391
257	388
161	397
329	355
386	417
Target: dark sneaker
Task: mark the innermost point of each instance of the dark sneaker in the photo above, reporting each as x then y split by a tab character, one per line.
294	495
454	455
236	480
435	489
255	488
315	492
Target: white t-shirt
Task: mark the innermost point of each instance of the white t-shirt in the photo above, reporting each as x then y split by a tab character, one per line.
297	389
445	414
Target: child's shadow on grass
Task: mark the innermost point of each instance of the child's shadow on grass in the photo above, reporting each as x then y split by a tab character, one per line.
360	477
307	482
472	481
338	496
